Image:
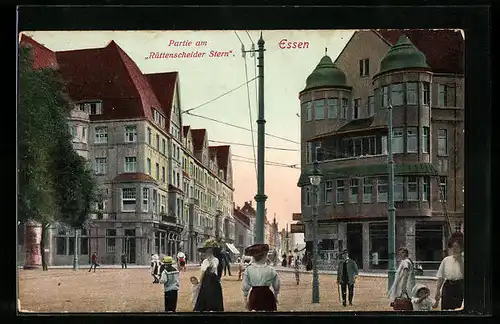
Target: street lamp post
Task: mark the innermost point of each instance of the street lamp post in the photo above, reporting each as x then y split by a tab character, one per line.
315	178
391	209
75	257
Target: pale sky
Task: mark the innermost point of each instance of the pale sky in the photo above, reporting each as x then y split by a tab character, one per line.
203	79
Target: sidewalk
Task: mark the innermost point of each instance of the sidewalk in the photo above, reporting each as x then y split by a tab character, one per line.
429	274
110	266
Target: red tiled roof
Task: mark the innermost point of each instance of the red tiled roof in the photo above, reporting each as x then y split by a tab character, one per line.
222	156
133	177
185	130
163	85
108	74
42	56
444	49
198	136
241	217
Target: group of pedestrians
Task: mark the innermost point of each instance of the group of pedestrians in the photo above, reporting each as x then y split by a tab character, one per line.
261	283
450	283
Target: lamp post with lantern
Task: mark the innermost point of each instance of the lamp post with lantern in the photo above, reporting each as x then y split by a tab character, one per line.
315	178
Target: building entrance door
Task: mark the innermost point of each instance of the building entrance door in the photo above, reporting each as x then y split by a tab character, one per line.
130	245
355	242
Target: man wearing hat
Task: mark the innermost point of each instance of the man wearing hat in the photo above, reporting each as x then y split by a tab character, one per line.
210	293
170	280
347	271
257	280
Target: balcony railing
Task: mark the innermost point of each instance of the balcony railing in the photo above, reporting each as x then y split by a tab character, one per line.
168	218
208	231
194	201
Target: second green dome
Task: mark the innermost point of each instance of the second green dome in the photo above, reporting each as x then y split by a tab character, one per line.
326	74
403	55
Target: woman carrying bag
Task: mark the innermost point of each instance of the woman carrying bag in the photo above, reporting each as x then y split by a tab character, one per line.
404	282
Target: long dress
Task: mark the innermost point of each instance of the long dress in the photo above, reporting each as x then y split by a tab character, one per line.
257	279
397	287
210	293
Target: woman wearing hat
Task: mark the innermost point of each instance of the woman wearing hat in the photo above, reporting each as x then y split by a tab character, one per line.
155	267
257	279
170	280
210	293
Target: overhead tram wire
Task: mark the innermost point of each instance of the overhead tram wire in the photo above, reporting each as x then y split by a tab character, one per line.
267	147
274	162
218	97
240	127
270	164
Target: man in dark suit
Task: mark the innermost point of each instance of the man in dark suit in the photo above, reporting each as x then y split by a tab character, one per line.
227	261
347	272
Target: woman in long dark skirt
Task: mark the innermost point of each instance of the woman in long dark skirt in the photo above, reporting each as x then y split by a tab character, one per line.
210	293
450	284
257	280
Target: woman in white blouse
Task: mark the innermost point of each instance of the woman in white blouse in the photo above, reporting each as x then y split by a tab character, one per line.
451	276
404	280
257	280
210	290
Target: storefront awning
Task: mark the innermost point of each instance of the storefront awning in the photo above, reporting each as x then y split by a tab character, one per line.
233	249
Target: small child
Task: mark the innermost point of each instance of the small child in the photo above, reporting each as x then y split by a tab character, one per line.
421	299
297	270
242	266
195	290
170	280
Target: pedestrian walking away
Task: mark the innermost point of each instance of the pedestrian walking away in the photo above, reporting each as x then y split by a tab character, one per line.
297	270
170	280
257	280
347	273
155	268
181	260
227	262
210	291
124	261
404	281
451	276
290	258
94	261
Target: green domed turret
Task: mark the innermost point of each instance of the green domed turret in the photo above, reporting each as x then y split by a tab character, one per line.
403	55
326	74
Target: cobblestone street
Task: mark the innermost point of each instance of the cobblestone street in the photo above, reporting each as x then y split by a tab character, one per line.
131	290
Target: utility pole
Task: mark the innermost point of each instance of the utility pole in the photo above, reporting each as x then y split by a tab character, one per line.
391	244
260	198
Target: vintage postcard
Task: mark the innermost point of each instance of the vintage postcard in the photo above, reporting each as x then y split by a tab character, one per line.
241	170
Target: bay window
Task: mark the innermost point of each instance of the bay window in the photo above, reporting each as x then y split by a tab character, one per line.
382	189
319	109
398	188
411	140
412	188
397	94
128	199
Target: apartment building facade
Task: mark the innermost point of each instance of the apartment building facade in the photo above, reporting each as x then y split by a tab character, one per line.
129	126
343	109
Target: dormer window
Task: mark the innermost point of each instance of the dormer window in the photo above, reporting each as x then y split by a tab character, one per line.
95	108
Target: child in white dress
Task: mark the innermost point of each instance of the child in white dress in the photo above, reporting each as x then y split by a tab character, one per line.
421	298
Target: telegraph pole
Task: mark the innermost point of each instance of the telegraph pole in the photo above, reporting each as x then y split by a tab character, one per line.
391	209
260	198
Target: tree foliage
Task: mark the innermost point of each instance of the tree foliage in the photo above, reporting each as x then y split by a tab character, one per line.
55	183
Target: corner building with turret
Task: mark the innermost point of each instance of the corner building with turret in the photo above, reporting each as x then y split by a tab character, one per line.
344	115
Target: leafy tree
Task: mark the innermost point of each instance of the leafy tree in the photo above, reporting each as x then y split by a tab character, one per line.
55	183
